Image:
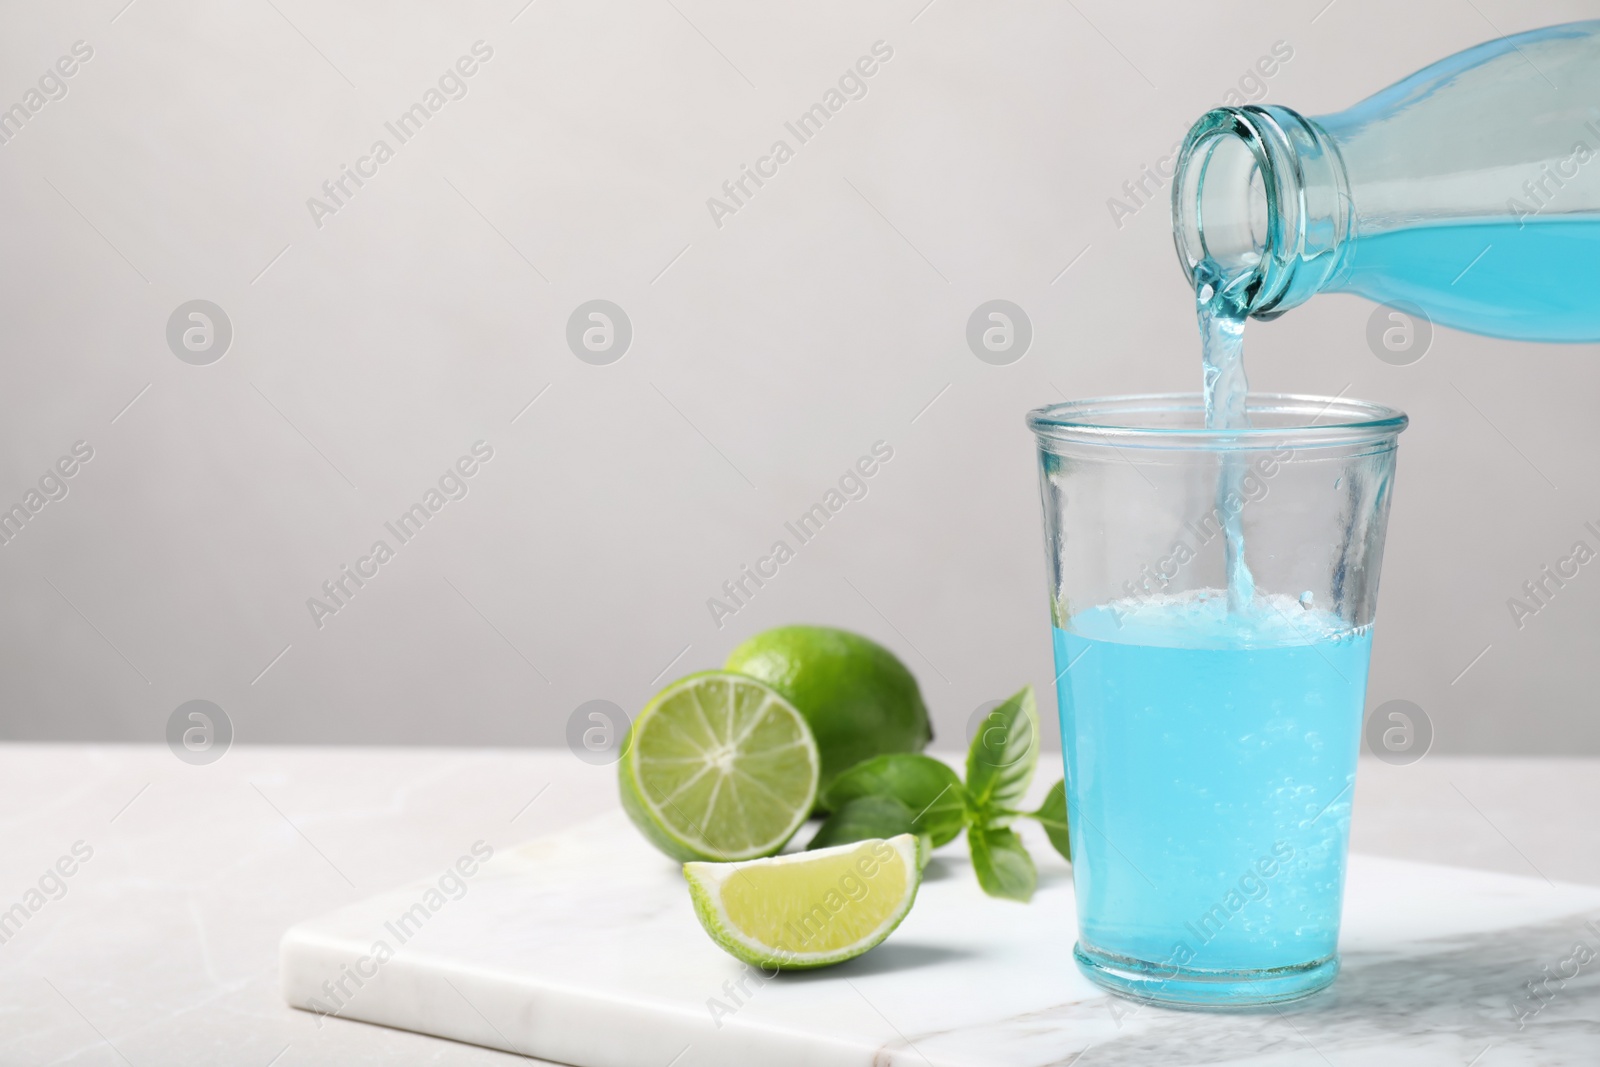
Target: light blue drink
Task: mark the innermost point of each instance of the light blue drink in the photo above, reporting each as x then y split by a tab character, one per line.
1210	760
1536	280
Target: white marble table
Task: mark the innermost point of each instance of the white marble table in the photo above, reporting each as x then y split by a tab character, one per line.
161	947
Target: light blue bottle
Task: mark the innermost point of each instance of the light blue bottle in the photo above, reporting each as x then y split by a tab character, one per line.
1470	189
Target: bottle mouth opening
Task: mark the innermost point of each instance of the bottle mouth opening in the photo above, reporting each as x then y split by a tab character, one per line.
1231	203
1226	221
1177	422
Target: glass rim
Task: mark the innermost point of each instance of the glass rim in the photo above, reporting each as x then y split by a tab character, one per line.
1316	422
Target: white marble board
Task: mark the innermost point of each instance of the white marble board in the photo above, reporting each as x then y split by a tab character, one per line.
582	948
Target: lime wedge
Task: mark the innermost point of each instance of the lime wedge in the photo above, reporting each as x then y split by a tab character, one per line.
809	909
719	767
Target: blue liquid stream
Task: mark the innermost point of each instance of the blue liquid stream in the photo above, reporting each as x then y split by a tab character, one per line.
1221	312
1210	762
1538	281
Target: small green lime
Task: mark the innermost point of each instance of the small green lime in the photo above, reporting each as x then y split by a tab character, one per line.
718	766
857	696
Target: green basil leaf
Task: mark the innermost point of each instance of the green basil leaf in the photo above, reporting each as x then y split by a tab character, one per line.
1003	866
1052	815
929	788
862	819
1003	754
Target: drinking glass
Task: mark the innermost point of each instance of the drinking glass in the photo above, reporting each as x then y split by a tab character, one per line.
1210	749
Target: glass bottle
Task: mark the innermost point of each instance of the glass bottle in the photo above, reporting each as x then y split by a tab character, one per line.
1471	189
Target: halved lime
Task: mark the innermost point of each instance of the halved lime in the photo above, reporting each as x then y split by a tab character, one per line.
719	767
809	909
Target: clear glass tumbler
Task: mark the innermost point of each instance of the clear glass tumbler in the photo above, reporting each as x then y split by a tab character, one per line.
1210	749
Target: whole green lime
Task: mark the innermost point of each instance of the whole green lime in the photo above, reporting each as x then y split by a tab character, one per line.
858	698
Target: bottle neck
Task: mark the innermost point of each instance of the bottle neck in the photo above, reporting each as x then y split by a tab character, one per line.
1261	198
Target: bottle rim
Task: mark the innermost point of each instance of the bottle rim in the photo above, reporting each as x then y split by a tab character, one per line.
1304	194
1176	422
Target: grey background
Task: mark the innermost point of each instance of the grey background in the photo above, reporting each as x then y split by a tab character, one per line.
767	355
